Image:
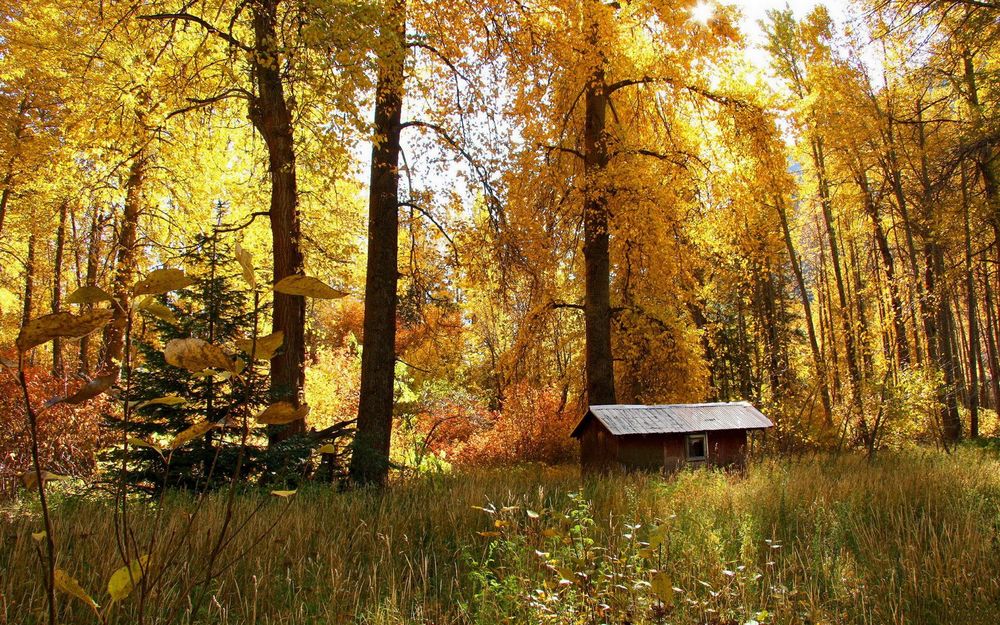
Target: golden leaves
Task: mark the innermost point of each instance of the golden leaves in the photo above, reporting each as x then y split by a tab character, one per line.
196	355
281	413
162	281
123	580
158	310
89	390
265	346
245	261
89	295
64	582
298	284
188	435
60	325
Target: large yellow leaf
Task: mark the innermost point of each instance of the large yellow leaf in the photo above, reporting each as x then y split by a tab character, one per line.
245	260
65	583
60	325
162	281
193	432
265	346
284	494
196	355
308	286
327	449
89	390
89	295
167	400
662	587
30	478
123	580
158	310
281	413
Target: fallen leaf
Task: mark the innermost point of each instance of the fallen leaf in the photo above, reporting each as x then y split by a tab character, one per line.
70	586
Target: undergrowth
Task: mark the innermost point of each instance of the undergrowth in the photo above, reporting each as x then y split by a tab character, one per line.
909	538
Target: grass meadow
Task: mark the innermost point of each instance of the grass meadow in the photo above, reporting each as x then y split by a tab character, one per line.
909	538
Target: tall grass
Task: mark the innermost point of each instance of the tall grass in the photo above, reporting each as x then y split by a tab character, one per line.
911	538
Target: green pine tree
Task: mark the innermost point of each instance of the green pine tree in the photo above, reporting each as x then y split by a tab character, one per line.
219	309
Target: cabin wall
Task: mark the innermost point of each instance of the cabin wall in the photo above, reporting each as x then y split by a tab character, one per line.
598	448
727	447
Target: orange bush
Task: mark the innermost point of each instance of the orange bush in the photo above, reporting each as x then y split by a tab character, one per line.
533	426
68	436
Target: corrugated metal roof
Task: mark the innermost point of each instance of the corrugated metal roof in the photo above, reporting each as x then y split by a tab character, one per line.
677	418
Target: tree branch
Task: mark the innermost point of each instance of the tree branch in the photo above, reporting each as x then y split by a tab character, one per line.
188	17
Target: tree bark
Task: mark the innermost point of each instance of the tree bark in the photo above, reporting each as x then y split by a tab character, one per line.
94	250
850	343
57	266
596	237
902	345
114	332
370	456
272	118
800	283
29	281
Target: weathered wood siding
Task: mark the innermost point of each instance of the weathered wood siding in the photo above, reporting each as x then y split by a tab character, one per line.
601	451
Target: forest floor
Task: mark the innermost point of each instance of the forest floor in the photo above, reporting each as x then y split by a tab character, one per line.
909	538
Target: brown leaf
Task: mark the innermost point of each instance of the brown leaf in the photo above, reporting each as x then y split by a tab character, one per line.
281	413
196	355
60	325
307	286
162	281
89	390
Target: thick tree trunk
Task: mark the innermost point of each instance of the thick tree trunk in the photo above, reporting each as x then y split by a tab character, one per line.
114	332
272	118
596	244
800	283
57	266
970	287
370	457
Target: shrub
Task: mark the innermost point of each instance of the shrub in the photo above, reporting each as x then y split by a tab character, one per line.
68	436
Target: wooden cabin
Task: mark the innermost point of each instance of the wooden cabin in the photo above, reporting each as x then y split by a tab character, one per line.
666	437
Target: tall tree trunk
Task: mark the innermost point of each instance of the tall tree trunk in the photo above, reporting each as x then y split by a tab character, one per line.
937	310
596	236
272	118
114	332
8	176
850	343
29	282
800	283
970	287
94	250
888	265
370	457
57	266
993	357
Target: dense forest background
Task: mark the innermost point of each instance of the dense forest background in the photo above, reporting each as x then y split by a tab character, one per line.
504	211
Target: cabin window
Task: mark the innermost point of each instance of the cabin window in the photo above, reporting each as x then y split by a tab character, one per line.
697	446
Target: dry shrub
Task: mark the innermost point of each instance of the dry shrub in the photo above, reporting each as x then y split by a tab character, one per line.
533	426
68	436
